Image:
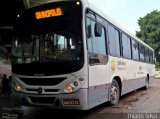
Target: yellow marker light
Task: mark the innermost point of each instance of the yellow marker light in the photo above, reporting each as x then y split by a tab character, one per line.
18	88
46	49
69	89
18	15
48	13
77	3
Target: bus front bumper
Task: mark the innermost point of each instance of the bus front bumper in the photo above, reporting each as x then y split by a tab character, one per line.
77	100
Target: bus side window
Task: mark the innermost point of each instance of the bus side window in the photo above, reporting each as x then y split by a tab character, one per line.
146	55
151	57
114	44
135	50
141	52
96	44
126	46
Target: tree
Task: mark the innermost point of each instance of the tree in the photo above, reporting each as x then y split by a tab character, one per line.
150	31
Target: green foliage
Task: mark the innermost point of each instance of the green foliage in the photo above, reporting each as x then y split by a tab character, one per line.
158	64
150	31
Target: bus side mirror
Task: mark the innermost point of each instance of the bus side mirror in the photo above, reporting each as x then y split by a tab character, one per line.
98	30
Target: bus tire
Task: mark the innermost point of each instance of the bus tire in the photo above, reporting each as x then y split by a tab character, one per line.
114	93
146	83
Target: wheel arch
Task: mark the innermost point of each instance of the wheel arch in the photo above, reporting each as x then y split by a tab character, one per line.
118	79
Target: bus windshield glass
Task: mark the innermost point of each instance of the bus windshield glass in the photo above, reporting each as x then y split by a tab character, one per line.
49	47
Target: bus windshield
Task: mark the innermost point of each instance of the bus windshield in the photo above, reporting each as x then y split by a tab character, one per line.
50	47
48	36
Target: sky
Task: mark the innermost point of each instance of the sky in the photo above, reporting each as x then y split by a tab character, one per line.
127	12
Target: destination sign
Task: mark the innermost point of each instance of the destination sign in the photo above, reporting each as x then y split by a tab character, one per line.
48	13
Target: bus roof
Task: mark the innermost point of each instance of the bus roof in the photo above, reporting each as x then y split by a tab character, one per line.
86	3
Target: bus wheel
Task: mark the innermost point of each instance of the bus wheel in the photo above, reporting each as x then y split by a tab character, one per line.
114	93
146	83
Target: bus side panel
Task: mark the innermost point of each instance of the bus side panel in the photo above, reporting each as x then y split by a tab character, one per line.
152	73
133	74
140	72
98	85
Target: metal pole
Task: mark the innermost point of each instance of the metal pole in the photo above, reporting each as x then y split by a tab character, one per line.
26	3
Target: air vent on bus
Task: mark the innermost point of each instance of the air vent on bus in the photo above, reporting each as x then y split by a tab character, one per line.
42	81
46	90
42	100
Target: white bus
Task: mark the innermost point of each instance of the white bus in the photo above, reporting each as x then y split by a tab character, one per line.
67	54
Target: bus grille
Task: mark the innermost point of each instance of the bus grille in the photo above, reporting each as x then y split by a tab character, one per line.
46	90
42	81
42	100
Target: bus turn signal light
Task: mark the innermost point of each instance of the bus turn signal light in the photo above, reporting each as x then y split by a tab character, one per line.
70	89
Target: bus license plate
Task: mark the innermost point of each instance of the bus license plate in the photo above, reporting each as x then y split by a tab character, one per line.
71	102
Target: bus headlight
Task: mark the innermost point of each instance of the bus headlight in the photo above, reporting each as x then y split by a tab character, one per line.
17	87
74	85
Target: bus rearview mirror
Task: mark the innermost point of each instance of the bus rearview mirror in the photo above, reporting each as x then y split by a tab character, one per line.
98	30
